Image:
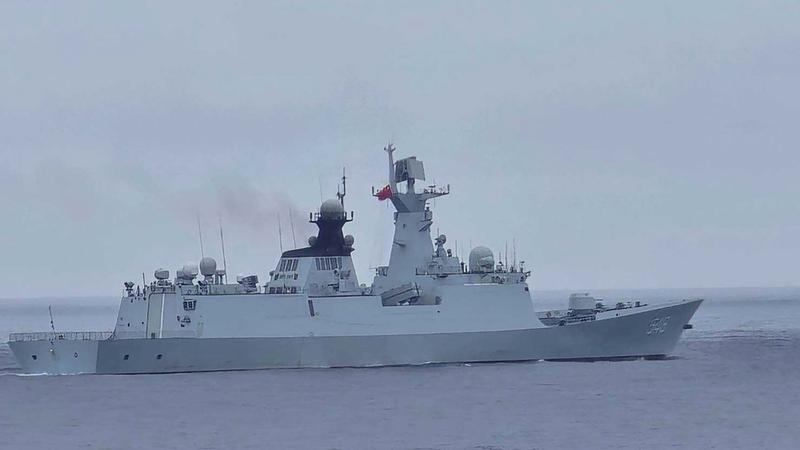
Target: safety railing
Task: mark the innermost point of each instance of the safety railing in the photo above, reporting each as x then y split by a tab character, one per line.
61	336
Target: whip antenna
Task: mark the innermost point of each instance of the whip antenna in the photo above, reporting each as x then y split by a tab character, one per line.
291	224
341	194
280	233
200	233
222	243
52	327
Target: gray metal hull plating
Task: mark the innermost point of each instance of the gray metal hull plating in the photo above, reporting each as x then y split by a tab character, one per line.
642	334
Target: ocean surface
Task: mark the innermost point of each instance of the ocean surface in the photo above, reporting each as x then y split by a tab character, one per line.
732	383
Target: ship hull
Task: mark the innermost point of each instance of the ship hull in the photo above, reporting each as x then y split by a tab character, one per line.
653	332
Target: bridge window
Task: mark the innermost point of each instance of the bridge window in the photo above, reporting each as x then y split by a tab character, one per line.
329	263
288	265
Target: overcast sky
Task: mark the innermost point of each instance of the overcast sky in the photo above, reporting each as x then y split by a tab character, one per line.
622	145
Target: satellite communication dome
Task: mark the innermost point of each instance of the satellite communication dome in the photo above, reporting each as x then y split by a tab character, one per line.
208	266
189	270
312	240
348	240
481	259
161	274
331	209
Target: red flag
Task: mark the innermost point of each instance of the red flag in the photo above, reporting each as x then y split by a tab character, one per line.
384	193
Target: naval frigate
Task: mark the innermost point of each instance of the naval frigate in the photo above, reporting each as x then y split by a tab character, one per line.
425	306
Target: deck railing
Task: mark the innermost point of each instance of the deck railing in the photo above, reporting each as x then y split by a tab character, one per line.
61	336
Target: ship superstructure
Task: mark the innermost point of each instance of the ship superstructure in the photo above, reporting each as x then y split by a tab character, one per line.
425	306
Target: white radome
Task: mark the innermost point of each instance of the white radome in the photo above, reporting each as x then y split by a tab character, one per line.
208	266
189	270
481	259
331	208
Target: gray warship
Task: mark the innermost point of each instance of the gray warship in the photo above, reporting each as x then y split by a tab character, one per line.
426	306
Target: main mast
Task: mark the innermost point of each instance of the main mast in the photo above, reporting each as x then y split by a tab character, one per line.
412	244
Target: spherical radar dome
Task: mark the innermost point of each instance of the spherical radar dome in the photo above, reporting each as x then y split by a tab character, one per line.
331	209
189	270
208	266
481	259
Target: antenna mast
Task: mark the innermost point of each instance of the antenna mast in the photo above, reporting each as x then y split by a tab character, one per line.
200	233
291	224
52	327
506	255
280	233
514	244
344	189
222	243
389	149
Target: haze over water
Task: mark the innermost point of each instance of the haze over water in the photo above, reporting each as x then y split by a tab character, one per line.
732	383
638	144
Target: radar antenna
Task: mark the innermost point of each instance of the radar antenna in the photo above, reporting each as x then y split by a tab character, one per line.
341	194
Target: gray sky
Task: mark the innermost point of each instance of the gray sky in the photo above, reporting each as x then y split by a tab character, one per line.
629	144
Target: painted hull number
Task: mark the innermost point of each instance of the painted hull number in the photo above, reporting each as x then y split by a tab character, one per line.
658	325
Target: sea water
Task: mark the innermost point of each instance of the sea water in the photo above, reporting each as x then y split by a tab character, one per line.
732	382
